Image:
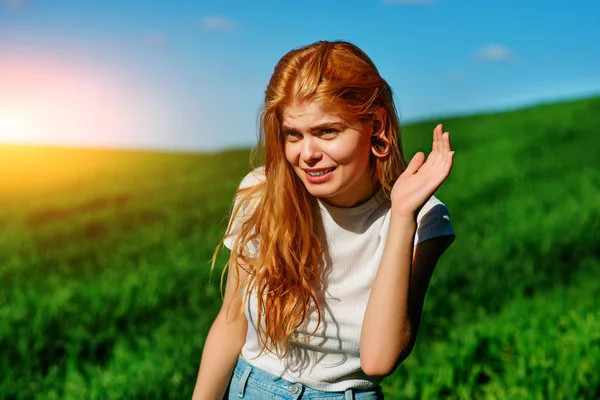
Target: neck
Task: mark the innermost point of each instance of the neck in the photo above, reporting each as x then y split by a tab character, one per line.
355	199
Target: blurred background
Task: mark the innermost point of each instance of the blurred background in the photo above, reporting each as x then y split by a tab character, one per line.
126	126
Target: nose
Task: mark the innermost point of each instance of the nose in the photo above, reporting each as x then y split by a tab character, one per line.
310	150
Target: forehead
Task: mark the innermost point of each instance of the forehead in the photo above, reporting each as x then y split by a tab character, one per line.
306	115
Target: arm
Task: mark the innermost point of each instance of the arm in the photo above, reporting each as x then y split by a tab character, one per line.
393	313
395	305
224	341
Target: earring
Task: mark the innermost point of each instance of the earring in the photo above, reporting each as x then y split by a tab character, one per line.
380	146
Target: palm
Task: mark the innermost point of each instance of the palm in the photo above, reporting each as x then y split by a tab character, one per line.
422	178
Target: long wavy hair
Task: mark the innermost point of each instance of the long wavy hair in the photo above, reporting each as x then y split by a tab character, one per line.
284	274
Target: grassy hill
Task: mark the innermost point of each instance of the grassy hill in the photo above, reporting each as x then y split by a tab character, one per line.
104	265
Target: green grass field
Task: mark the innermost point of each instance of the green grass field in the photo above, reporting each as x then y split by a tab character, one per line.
104	265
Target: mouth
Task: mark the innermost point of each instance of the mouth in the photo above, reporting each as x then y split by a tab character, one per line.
316	176
316	173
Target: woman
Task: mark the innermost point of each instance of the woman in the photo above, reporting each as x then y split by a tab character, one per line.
333	241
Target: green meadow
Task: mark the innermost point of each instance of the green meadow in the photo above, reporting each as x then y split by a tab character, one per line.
105	287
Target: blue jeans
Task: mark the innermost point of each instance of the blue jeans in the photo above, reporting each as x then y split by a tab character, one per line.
251	383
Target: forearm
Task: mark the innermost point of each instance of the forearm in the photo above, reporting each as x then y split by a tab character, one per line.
386	331
221	350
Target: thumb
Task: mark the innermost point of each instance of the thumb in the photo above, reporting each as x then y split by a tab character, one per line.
416	163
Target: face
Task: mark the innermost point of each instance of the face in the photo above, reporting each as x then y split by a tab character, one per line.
331	158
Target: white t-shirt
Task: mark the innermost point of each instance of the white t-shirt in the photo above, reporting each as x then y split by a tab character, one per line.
353	244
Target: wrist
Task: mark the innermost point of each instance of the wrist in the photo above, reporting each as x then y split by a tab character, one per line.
405	209
405	220
404	216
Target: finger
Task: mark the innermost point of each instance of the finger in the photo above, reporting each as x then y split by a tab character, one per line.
436	138
449	162
439	171
444	158
415	163
446	147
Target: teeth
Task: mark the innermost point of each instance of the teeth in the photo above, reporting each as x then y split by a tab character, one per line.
320	173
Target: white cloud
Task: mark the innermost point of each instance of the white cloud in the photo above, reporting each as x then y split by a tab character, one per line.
15	4
217	23
494	53
410	2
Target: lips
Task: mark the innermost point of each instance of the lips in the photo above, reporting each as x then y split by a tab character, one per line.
319	172
318	175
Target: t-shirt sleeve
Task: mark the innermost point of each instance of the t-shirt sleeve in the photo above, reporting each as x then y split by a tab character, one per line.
433	220
245	211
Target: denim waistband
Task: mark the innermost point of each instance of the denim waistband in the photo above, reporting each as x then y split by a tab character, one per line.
247	374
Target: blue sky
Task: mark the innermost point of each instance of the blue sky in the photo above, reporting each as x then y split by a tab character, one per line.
190	75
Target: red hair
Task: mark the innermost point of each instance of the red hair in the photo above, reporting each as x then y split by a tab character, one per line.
284	274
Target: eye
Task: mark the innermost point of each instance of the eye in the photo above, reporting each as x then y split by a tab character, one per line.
292	136
328	133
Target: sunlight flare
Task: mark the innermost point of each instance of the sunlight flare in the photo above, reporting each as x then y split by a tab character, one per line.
62	105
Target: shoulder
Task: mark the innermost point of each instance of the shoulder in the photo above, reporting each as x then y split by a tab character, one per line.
433	220
248	194
433	206
253	178
245	204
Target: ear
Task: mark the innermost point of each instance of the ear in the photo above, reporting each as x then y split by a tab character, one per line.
380	145
378	125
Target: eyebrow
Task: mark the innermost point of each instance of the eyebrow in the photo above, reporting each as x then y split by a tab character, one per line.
326	125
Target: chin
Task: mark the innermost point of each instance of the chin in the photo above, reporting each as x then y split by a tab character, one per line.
321	192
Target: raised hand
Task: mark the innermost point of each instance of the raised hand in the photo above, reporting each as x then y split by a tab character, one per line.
422	178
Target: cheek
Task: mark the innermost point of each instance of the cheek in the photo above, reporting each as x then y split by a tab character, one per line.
290	153
350	153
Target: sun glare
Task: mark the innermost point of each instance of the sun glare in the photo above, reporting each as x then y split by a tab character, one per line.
62	104
9	128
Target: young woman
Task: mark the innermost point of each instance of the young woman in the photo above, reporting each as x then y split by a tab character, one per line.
333	240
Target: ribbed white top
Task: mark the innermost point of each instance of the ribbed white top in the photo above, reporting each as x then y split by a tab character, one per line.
354	240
